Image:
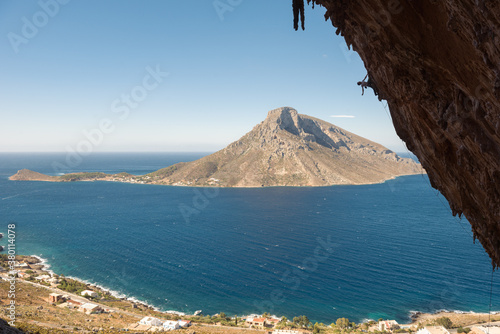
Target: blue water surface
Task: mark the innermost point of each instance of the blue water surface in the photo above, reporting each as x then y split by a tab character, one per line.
343	251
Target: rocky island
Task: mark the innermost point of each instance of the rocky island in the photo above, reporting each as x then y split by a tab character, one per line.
286	149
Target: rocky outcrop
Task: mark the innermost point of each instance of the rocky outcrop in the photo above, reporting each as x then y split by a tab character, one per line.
5	328
29	175
437	63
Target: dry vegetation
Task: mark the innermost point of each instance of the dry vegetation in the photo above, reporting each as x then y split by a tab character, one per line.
458	319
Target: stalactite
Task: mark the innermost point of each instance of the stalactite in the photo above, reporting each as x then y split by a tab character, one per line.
298	9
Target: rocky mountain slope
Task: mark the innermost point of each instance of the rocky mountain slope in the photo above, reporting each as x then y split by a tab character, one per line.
289	149
286	149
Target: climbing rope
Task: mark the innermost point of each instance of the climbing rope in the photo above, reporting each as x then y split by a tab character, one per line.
491	295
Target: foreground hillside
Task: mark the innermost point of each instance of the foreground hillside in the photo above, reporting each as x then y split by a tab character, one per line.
286	149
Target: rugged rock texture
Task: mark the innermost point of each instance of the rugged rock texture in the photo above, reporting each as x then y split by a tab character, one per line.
290	149
286	149
437	63
5	328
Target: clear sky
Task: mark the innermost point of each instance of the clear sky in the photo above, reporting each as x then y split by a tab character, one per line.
164	75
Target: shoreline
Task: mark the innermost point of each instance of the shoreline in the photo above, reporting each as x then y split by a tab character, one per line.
108	177
414	317
114	293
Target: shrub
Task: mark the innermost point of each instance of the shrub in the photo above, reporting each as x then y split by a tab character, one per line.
445	322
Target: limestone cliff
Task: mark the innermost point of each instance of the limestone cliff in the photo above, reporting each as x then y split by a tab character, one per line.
437	63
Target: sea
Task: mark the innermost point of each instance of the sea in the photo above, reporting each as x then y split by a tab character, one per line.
362	252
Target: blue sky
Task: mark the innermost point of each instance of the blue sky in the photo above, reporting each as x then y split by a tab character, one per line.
66	72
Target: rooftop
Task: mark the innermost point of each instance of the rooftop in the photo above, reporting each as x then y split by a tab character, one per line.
436	330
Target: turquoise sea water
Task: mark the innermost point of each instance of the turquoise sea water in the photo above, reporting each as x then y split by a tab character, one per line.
355	251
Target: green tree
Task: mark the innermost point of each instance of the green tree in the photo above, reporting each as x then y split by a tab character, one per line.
301	321
445	322
342	323
316	328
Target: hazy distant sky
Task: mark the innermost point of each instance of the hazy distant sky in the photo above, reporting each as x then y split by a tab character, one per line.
69	68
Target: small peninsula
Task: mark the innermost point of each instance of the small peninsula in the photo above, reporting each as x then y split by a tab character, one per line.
286	149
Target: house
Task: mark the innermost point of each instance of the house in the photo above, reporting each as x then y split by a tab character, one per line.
150	321
287	331
407	326
433	330
171	325
386	325
22	275
485	330
184	323
42	277
272	322
89	308
73	303
258	322
53	280
22	266
55	297
89	293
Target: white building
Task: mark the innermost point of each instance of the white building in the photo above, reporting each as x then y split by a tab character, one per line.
151	321
53	280
184	323
171	325
89	308
286	331
386	325
433	330
89	293
486	330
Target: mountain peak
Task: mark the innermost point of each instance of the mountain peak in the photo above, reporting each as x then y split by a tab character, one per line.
284	118
282	112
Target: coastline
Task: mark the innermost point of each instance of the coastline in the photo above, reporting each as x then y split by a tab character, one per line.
414	316
132	180
102	288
